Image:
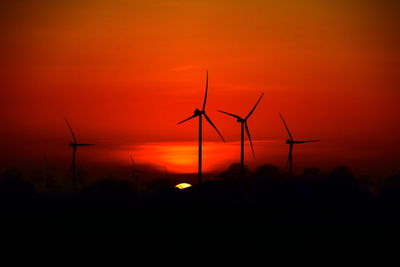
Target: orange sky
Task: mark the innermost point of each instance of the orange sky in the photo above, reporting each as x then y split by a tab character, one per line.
125	72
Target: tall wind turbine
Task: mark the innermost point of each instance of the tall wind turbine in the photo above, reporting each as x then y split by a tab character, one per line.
74	144
243	125
291	143
200	113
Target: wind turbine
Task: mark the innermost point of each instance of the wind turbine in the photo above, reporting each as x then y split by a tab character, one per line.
243	125
291	143
166	172
74	144
134	174
200	113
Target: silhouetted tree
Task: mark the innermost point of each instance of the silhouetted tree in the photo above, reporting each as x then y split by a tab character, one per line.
312	175
232	174
159	185
37	177
50	182
341	189
390	191
268	183
109	188
342	177
13	186
268	172
12	174
367	184
38	180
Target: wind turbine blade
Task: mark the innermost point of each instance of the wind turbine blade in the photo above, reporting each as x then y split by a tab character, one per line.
212	124
248	135
251	111
205	96
85	144
191	117
230	114
287	128
309	141
72	132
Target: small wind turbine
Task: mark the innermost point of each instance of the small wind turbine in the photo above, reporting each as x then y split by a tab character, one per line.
166	172
134	174
74	144
243	124
200	114
291	142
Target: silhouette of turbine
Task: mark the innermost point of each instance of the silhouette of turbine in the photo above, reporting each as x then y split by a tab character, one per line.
291	143
134	175
243	124
74	144
200	114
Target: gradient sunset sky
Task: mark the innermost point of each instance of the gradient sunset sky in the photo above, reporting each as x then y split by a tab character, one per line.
125	72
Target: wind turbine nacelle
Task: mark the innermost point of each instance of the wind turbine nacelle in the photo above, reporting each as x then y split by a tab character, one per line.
198	112
72	144
288	141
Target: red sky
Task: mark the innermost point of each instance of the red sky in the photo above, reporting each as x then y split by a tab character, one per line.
125	72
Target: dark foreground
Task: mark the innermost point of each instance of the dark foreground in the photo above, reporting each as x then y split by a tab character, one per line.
271	211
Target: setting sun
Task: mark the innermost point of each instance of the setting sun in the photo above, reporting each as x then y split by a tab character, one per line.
183	185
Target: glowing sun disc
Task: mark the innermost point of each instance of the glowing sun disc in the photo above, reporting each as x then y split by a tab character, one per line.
183	185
